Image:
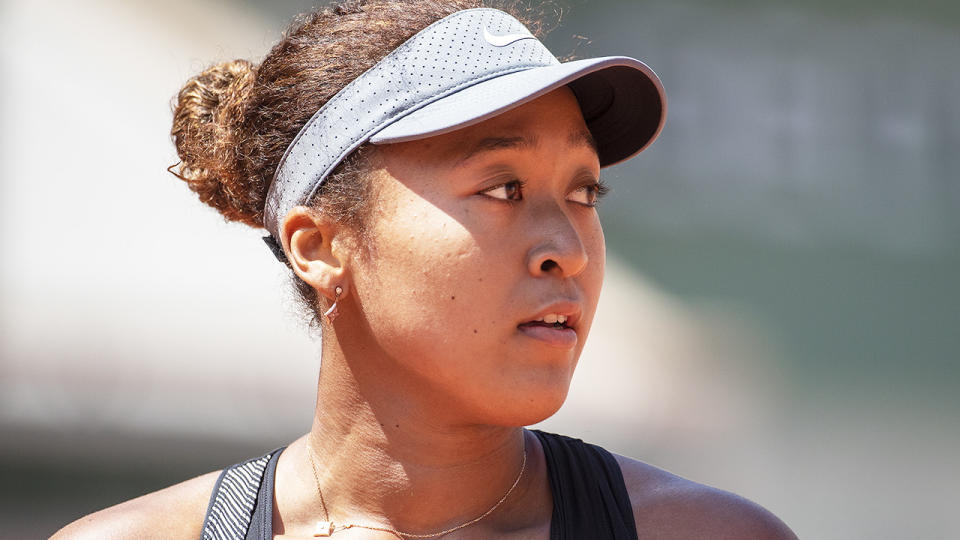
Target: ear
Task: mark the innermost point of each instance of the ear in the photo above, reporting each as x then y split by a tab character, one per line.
310	243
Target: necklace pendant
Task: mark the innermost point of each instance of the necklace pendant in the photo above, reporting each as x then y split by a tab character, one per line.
324	528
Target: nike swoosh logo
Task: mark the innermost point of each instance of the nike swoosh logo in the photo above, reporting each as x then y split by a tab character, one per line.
504	40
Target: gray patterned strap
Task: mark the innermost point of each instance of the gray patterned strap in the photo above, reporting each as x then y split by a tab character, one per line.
233	500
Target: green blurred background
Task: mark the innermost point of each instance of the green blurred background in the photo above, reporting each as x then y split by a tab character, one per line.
780	317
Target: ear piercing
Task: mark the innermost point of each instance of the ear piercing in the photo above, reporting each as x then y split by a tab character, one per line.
332	313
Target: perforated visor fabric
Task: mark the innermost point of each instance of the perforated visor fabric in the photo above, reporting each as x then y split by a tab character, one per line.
606	88
467	67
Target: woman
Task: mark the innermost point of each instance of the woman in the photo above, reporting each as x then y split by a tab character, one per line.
428	172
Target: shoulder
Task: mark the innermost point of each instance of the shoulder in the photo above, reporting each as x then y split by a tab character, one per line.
173	512
676	508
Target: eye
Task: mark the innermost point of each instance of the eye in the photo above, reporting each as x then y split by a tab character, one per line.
508	191
590	194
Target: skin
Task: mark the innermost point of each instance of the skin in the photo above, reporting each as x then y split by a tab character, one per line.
426	374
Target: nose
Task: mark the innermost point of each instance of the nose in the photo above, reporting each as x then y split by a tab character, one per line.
557	247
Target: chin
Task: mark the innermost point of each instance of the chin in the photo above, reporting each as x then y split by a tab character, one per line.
528	406
540	396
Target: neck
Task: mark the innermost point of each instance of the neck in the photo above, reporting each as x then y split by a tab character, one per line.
387	456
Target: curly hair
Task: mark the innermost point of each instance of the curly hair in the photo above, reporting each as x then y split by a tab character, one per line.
233	122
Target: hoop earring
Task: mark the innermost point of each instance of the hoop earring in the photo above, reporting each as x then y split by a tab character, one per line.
332	313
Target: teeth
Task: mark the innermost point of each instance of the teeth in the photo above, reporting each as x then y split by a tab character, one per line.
553	318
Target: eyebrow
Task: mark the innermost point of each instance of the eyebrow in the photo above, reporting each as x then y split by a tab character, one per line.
582	138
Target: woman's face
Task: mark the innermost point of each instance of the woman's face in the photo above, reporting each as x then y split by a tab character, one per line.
476	235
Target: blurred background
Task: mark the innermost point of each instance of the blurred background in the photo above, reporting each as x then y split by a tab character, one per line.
780	316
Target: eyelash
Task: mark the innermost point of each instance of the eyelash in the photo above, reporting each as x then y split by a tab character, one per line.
599	189
520	186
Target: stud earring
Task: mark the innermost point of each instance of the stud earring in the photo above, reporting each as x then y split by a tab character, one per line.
332	313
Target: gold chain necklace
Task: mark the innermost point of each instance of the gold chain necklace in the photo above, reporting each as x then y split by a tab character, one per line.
327	527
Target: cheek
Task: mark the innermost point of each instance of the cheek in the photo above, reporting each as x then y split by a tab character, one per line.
597	251
422	287
592	278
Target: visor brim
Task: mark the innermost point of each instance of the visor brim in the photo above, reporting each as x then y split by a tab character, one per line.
621	98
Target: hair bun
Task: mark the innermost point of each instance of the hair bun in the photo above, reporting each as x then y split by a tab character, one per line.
207	119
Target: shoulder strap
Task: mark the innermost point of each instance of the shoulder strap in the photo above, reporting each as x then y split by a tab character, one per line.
590	499
234	498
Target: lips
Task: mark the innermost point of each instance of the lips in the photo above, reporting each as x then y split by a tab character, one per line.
555	325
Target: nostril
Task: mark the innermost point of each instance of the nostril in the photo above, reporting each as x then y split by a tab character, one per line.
548	265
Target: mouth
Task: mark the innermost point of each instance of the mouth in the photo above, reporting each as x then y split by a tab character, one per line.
555	326
549	321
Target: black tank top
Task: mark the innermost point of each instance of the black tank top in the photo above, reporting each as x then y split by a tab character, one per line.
590	500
